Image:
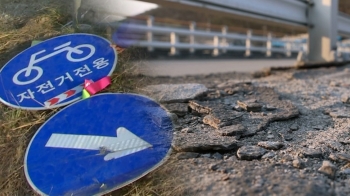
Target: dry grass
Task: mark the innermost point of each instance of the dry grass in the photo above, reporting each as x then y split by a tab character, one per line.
163	181
18	126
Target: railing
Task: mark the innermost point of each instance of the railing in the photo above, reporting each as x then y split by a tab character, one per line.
321	18
178	38
149	33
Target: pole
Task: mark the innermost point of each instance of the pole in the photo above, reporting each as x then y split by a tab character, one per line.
76	6
323	30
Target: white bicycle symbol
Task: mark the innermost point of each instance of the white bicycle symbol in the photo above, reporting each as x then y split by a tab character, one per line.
59	49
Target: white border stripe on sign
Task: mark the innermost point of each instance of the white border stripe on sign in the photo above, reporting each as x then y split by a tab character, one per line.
64	96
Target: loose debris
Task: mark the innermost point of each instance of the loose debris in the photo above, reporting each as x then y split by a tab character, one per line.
273	135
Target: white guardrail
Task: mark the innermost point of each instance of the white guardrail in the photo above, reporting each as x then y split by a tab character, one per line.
206	40
165	37
320	17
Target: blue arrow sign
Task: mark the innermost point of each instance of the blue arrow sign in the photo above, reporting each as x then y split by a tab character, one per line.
97	145
51	74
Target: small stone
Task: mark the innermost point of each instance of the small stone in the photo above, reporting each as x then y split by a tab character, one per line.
269	155
213	167
224	178
312	153
286	158
346	166
217	155
179	109
333	157
172	93
328	169
335	145
270	108
297	163
250	106
262	73
220	118
187	130
237	108
249	133
318	127
231	158
334	84
343	157
345	171
214	94
199	107
250	152
288	137
294	127
186	155
259	181
221	93
231	91
232	130
345	141
271	145
270	136
339	114
345	98
211	120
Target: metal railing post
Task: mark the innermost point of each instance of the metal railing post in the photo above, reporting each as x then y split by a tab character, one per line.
340	54
347	55
173	41
248	43
268	44
288	48
216	45
150	21
224	40
192	40
323	30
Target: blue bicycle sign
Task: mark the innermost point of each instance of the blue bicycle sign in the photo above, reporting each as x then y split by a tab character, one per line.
62	48
51	74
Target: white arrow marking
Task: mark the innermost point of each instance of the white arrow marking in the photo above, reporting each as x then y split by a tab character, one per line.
124	144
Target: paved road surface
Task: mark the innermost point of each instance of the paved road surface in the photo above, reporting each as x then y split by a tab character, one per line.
194	67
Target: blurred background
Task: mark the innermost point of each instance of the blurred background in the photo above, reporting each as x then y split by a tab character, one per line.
200	40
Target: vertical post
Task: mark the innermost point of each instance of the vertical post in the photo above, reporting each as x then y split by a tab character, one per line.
323	30
76	6
288	48
224	40
248	43
346	53
268	44
216	45
192	40
173	41
150	21
339	50
302	52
